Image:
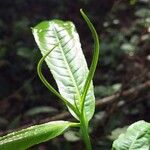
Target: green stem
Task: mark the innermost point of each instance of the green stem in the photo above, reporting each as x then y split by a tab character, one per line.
47	84
94	59
84	126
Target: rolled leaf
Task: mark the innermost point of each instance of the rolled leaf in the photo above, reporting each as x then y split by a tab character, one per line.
33	135
66	62
137	137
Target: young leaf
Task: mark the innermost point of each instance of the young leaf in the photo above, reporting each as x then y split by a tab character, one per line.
137	137
33	135
66	62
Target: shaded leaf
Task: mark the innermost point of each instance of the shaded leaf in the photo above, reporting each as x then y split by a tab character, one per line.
116	132
15	122
72	136
143	12
103	91
39	110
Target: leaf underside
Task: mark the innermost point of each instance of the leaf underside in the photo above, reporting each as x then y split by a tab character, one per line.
66	62
137	137
33	135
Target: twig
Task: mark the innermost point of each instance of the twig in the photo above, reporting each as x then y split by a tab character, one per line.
107	100
135	91
132	91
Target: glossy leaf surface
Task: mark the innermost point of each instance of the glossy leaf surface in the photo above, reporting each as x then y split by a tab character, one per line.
66	62
137	137
33	135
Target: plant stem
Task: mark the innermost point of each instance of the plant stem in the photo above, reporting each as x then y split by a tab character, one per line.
85	133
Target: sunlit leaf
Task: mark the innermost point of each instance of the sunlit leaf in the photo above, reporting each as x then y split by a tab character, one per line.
137	137
66	62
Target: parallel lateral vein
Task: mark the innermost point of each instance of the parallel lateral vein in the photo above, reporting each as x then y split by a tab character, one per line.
67	64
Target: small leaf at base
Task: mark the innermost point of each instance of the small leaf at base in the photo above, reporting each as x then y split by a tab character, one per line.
33	135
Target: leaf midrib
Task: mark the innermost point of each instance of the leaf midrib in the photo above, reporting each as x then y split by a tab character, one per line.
68	66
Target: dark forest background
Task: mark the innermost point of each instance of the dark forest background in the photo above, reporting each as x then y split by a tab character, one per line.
122	79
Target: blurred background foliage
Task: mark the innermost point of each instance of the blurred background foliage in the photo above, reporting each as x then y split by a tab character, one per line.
124	32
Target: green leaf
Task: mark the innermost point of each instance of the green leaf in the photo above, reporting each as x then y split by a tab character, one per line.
33	135
137	137
66	62
116	132
72	136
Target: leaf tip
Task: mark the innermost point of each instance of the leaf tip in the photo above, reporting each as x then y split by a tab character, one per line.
81	11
